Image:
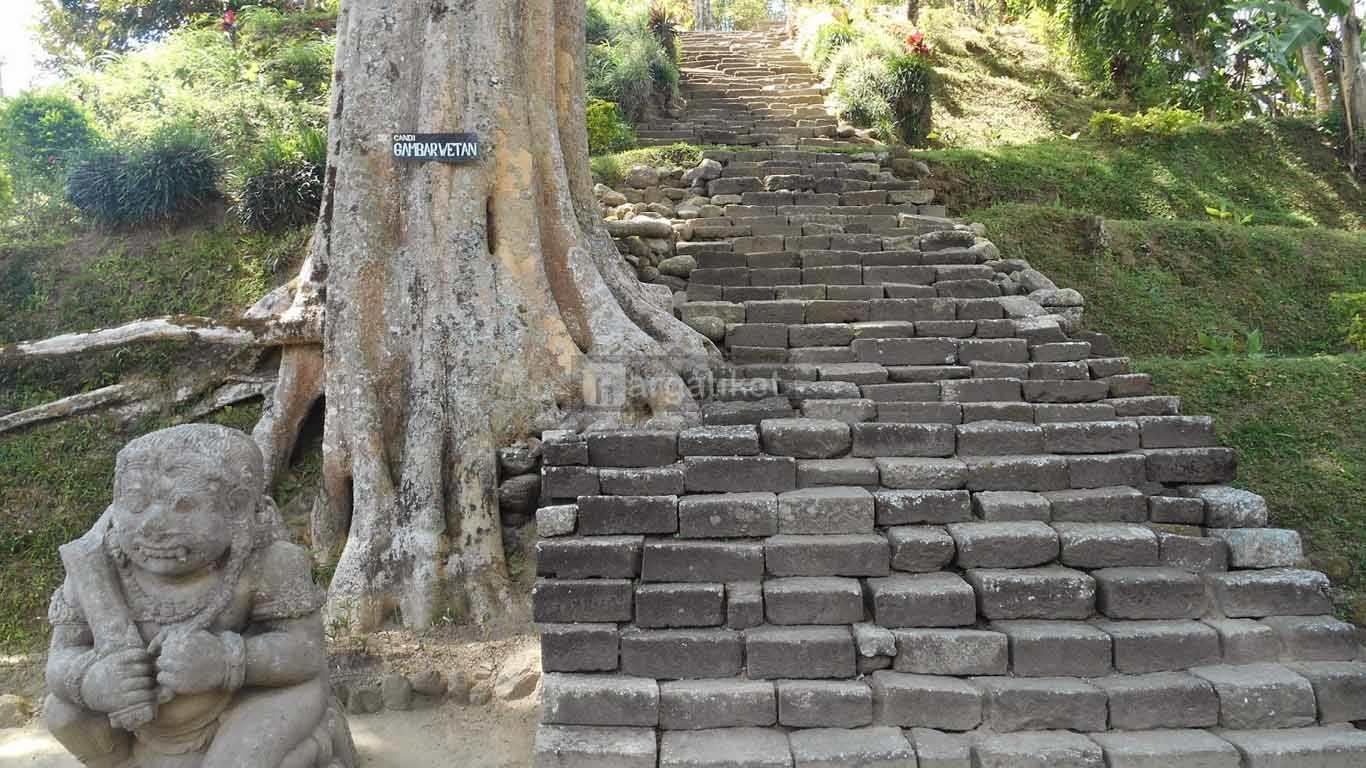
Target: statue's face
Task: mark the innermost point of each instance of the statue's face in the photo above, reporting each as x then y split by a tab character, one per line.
171	514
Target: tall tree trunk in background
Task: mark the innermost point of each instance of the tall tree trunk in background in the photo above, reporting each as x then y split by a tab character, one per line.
913	11
463	302
1312	59
1352	84
701	12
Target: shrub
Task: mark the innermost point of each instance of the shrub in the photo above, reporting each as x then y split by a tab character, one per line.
909	84
303	68
41	132
597	28
862	95
632	71
1352	308
282	183
608	130
740	14
828	41
174	171
664	27
1155	122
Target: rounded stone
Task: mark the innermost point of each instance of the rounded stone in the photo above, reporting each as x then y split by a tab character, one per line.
678	266
430	683
396	692
518	496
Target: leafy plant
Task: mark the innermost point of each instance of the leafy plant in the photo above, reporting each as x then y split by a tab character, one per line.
1352	308
1152	123
664	27
174	171
608	130
281	184
633	71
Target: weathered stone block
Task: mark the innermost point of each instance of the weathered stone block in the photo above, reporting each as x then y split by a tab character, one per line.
1159	700
805	438
1260	696
1275	592
569	699
1004	545
824	703
590	557
910	507
1150	593
1017	473
799	653
605	515
839	555
1056	648
591	600
1260	547
1167	749
678	654
1010	506
1107	545
951	652
1033	593
560	746
921	600
680	605
825	510
909	440
578	647
725	747
920	548
1046	749
924	701
640	448
922	474
744	604
1160	646
666	560
813	600
728	515
1099	505
690	705
1339	689
1044	703
739	474
838	748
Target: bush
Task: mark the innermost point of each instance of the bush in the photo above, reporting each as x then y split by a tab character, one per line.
1352	308
174	171
828	40
597	28
1155	122
740	14
40	133
909	83
664	27
282	183
608	130
633	71
862	95
303	68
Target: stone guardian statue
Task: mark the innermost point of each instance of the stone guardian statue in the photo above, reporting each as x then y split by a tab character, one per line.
188	631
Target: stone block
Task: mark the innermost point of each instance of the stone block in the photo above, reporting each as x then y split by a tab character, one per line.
825	510
1010	506
680	605
558	520
908	440
1260	547
822	473
901	351
1160	646
739	474
1191	465
578	647
805	438
1004	545
1033	593
1339	689
1274	592
608	515
1227	507
936	749
1176	509
1243	641
1106	545
1017	473
1167	749
635	448
589	600
921	600
571	699
1300	748
813	600
568	482
1177	431
982	391
1150	593
951	652
560	746
865	554
589	557
1090	437
1196	554
725	747
999	438
1099	505
1056	648
799	653
736	440
698	560
744	604
824	703
1043	749
1316	638
925	701
681	654
1260	696
920	548
691	705
849	411
1107	470
1042	703
922	473
841	748
728	515
1159	700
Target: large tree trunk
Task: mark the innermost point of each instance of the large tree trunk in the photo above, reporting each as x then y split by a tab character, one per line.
463	302
913	11
1312	59
1352	84
701	13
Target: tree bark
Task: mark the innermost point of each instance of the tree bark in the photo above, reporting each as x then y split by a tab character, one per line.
913	11
1352	85
701	14
1312	59
184	328
464	302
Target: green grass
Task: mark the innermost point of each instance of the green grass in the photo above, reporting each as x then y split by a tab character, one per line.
1160	284
1297	426
1277	172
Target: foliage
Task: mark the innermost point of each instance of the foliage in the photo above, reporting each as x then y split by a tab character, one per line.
664	27
608	130
1352	308
633	71
172	172
1158	121
739	14
41	131
611	169
281	184
1161	287
303	69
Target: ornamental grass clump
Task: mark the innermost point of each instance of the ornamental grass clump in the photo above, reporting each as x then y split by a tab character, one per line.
172	172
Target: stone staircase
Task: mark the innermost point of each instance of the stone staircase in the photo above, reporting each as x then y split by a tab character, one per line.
744	88
927	520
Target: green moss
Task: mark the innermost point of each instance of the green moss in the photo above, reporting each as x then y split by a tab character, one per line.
1160	284
1297	427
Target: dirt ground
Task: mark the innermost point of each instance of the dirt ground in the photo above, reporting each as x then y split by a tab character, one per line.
496	734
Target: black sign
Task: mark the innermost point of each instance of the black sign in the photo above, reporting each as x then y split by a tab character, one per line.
436	147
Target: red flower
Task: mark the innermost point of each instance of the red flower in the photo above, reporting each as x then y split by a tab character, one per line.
916	42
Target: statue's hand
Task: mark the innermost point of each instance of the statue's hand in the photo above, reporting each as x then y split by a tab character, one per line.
119	681
191	662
